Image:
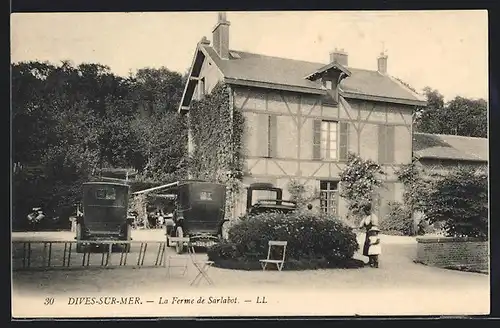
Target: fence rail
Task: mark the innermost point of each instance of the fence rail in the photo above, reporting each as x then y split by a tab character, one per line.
47	255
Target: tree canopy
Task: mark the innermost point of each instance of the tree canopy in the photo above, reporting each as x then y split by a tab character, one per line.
459	116
69	121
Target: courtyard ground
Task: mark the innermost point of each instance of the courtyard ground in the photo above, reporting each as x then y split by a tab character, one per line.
399	286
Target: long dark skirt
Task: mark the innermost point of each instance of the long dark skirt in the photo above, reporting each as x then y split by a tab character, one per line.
366	245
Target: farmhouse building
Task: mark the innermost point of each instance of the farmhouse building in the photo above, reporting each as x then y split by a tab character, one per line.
439	153
302	118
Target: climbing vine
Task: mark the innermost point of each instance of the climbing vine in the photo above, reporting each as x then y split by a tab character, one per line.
410	175
217	136
302	194
359	181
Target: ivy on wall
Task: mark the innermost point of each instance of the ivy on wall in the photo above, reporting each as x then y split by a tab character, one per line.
217	136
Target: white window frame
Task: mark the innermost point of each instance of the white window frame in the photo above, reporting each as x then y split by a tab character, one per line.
330	196
326	150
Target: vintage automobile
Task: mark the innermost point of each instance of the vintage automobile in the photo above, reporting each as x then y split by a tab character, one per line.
199	212
273	204
105	206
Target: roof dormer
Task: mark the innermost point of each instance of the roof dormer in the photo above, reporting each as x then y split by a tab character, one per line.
331	75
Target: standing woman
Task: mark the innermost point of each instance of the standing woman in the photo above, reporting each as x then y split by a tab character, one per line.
369	220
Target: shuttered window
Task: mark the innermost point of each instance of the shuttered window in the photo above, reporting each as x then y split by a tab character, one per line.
386	144
343	141
330	140
262	131
267	135
317	139
272	147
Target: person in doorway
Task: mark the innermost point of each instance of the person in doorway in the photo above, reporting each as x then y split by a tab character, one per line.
375	248
161	219
369	220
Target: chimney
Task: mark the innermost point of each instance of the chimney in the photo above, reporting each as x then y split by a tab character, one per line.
382	63
220	36
340	56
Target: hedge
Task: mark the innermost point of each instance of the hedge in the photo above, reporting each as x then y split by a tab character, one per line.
314	241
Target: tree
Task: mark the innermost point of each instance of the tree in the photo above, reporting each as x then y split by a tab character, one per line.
359	181
300	194
427	117
69	120
460	200
157	91
460	116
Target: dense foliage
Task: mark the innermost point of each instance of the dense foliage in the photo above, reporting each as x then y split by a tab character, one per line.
301	194
460	200
217	136
69	121
399	220
360	180
309	236
460	116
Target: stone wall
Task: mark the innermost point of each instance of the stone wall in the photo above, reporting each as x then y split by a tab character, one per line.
449	252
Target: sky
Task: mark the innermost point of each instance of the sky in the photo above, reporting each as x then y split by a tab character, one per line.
446	50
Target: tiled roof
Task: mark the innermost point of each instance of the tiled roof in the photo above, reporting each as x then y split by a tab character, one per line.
441	146
289	72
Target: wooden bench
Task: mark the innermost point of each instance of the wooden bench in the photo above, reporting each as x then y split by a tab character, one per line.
278	262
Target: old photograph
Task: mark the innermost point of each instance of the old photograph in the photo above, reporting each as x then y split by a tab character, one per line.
274	163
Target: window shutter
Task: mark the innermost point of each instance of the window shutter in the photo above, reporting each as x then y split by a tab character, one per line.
381	144
343	141
390	144
317	139
262	130
273	136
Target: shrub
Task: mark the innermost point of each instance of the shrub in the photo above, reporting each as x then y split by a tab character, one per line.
224	251
309	236
398	221
460	200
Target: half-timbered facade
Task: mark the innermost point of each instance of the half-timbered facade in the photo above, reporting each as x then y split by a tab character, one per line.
303	118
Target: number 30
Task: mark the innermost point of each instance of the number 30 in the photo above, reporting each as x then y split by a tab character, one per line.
49	301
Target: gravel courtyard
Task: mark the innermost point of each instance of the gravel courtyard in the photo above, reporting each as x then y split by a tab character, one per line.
426	290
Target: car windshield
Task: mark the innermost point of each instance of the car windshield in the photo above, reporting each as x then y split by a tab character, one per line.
108	193
259	195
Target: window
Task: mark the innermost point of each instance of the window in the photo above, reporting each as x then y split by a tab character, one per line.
267	138
272	137
107	193
386	144
329	196
263	194
205	195
330	140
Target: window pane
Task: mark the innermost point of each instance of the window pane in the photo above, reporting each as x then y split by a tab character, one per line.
324	126
333	154
333	128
